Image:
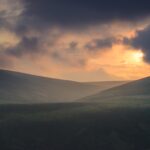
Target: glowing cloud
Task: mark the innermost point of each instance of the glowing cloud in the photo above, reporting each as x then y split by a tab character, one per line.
39	40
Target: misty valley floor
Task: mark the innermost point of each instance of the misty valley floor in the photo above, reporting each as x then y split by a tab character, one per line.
75	126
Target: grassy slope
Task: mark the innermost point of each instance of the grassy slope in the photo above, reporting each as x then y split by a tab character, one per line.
136	90
75	127
23	88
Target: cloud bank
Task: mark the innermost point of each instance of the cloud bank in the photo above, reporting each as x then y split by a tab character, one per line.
56	38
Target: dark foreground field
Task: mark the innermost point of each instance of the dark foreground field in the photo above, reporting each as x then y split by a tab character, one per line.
75	127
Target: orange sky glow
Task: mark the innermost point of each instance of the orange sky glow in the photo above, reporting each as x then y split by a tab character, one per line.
80	55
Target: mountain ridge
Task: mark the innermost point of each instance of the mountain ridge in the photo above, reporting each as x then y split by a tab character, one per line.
137	88
16	87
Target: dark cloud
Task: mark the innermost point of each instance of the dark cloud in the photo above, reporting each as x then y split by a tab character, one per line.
98	44
141	41
27	45
3	23
73	45
57	56
76	13
68	13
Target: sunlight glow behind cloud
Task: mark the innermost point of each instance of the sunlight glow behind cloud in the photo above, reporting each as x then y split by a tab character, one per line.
93	48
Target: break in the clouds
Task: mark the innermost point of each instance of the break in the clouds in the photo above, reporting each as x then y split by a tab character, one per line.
63	38
141	41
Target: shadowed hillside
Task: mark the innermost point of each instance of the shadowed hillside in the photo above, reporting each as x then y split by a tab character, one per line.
139	89
23	88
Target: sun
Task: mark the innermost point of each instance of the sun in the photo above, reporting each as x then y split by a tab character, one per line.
134	57
137	56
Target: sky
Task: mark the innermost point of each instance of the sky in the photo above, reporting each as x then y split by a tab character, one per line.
79	40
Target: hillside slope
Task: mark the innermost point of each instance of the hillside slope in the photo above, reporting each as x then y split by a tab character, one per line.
139	89
23	88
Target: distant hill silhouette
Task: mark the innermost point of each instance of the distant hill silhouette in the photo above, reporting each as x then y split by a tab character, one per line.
24	88
139	89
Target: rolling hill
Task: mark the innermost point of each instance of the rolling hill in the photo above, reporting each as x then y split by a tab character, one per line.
135	90
24	88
